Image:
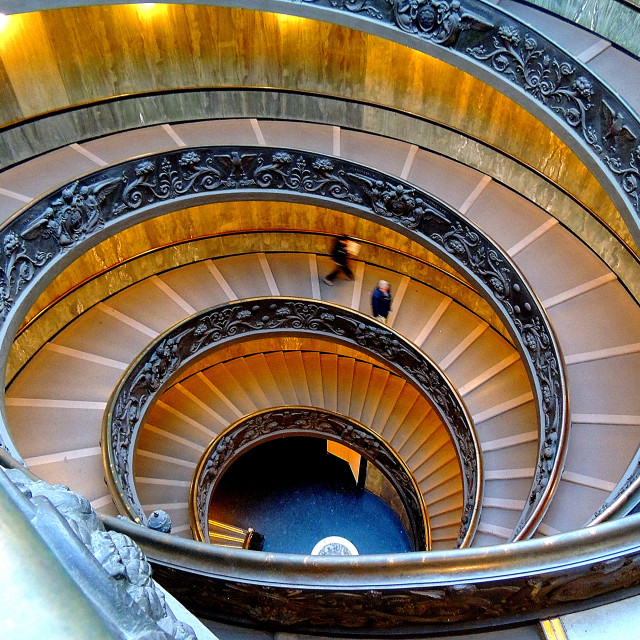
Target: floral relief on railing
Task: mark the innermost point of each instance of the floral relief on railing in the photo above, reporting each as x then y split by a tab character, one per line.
189	340
420	606
528	60
54	229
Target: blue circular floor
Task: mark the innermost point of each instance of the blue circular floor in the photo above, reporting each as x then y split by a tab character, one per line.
295	493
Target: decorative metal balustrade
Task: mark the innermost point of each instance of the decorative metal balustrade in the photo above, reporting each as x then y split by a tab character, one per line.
48	235
199	334
486	41
280	422
416	594
569	96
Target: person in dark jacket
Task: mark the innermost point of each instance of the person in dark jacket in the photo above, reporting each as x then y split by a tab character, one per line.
340	256
381	301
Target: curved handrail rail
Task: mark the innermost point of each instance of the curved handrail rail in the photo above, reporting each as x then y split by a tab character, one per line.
188	341
47	235
486	41
47	120
268	424
623	498
412	593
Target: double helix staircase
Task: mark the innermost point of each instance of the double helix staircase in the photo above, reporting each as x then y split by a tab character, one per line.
482	364
57	394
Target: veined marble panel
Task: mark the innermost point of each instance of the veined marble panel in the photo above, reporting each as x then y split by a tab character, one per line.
59	59
612	19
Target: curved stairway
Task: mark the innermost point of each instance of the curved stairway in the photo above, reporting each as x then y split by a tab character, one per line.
595	318
459	341
216	397
479	361
64	388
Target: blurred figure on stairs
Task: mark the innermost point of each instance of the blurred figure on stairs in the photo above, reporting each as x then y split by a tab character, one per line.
343	247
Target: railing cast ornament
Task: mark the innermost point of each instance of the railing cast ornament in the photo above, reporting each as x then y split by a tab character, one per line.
52	231
560	83
189	340
406	595
294	421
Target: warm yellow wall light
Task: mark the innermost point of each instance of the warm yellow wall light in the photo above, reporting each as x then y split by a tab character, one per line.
146	7
4	20
287	20
150	9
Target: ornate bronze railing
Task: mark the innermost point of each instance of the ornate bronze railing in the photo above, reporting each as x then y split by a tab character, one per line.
624	498
191	339
482	39
279	422
414	594
488	42
47	236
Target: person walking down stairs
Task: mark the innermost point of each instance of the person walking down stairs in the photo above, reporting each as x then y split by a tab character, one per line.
340	255
381	301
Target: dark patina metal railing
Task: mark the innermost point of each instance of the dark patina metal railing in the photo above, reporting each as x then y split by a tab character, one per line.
190	340
415	594
47	236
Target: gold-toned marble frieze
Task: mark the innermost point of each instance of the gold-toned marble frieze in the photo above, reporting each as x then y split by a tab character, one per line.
63	58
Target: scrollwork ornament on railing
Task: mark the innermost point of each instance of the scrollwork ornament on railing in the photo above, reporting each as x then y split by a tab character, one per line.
193	337
562	84
440	21
537	341
46	231
550	79
466	244
17	268
297	173
416	606
152	184
74	215
286	421
629	175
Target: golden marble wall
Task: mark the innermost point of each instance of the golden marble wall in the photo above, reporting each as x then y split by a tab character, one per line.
61	58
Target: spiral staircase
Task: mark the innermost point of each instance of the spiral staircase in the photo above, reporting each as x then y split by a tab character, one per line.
397	102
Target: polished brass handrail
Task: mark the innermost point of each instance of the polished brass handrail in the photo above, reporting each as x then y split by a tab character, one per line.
410	593
229	527
244	539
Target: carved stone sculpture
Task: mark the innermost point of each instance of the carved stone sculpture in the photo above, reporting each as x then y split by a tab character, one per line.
122	560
